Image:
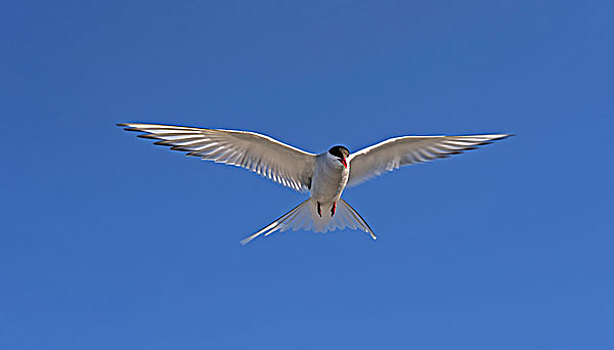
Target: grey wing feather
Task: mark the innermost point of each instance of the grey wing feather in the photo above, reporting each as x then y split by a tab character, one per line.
401	151
261	154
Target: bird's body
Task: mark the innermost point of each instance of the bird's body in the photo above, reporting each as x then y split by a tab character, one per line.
329	179
324	175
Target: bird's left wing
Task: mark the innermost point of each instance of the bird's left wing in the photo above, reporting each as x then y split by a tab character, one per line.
261	154
400	151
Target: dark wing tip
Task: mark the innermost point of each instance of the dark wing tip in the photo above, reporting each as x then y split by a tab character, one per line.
127	127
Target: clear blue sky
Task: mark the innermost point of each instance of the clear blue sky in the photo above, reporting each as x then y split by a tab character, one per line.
108	242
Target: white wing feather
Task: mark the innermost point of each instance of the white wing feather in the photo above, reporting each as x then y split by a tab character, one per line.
261	154
396	152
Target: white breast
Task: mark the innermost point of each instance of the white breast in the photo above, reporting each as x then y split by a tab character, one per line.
329	179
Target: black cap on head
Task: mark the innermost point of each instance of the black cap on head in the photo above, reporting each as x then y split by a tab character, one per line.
339	151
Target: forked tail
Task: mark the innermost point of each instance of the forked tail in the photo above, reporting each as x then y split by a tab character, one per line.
305	217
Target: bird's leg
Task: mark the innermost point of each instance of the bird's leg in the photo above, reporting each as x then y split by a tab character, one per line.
319	210
332	210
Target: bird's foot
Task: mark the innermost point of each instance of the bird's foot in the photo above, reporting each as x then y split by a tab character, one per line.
333	209
319	209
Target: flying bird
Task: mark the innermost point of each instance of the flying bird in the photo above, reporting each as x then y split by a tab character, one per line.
323	175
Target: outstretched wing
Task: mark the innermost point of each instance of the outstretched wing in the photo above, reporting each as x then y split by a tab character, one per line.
261	154
400	151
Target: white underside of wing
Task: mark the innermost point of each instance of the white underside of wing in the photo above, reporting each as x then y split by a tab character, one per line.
261	154
394	153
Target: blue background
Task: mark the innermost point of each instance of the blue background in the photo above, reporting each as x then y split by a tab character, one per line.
110	242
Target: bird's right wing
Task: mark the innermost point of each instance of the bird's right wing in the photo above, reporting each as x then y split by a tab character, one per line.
261	154
400	151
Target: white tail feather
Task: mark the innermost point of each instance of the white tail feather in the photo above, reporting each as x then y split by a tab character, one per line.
305	217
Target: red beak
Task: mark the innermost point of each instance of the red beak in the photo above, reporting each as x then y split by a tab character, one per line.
345	164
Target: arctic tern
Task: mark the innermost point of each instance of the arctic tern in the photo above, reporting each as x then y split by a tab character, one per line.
323	175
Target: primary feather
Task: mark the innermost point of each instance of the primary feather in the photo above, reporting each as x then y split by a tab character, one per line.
396	152
261	154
